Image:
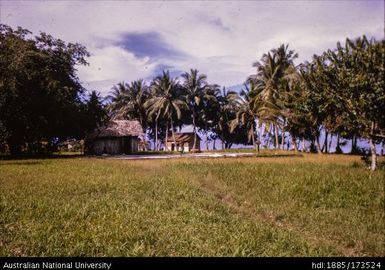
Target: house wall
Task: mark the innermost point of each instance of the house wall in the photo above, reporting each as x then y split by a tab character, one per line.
179	147
114	146
143	146
197	144
187	146
134	144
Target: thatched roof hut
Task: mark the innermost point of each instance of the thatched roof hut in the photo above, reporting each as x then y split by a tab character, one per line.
116	137
118	128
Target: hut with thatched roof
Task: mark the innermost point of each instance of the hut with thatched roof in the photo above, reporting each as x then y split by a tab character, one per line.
115	138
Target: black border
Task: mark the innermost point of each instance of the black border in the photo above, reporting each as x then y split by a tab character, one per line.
297	263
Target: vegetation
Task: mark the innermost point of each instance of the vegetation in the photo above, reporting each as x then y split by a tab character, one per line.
195	85
167	101
340	93
314	205
276	203
352	97
41	99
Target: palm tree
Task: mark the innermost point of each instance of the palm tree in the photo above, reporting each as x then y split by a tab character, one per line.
208	113
194	85
227	109
127	101
116	98
265	94
245	115
269	81
167	102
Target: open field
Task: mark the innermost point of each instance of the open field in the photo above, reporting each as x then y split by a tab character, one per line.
307	205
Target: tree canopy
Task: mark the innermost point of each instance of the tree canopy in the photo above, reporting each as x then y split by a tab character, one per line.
41	98
339	94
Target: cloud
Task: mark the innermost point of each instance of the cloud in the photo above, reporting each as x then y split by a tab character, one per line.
147	44
132	39
113	64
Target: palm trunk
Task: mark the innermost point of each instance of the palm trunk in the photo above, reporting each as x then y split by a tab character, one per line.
271	136
156	131
194	129
223	143
165	143
282	140
303	145
276	136
173	135
214	141
318	146
338	148
156	147
207	137
330	143
373	165
141	119
294	143
354	144
257	139
382	148
325	145
261	133
253	137
283	136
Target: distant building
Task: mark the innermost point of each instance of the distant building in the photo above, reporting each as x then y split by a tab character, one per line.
116	137
71	145
184	142
144	145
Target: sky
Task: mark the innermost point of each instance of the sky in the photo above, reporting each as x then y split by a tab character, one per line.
129	40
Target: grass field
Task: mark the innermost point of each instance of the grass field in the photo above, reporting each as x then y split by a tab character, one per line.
280	206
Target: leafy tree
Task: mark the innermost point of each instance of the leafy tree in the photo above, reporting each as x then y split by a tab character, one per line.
360	65
315	99
344	91
95	110
40	94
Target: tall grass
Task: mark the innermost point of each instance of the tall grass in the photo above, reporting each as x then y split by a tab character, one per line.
285	206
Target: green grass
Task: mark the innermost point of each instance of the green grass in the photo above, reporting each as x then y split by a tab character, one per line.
67	153
284	206
261	153
151	152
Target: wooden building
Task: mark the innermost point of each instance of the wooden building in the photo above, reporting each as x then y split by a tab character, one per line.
184	142
115	138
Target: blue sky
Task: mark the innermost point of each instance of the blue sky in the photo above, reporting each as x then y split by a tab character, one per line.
132	39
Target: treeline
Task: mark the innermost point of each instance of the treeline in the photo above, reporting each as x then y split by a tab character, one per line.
339	94
168	103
